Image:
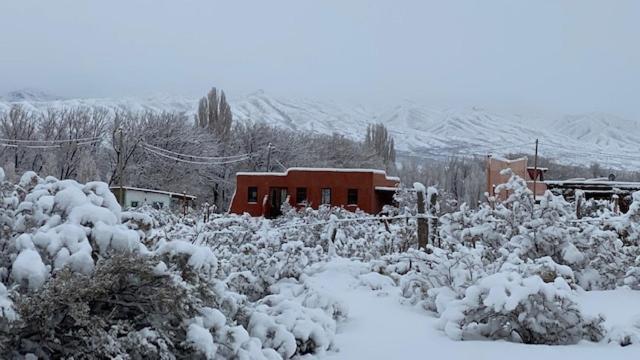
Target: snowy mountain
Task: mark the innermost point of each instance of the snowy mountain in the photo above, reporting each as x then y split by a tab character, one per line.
28	95
419	130
426	132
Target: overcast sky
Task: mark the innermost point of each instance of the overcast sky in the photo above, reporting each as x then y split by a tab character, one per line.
568	56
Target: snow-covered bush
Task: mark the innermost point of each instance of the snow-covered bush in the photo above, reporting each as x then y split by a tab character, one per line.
423	277
62	224
522	309
506	270
625	335
79	276
632	277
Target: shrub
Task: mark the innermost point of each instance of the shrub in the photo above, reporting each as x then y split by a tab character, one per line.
522	309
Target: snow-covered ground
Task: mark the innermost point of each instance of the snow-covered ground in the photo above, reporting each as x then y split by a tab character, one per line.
315	284
380	326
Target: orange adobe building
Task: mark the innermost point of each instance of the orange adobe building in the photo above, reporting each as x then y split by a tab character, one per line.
263	193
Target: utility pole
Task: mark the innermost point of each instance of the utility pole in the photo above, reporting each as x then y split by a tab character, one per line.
489	185
269	147
121	165
535	172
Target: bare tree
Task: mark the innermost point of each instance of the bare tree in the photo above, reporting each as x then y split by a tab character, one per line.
78	133
173	133
130	126
15	125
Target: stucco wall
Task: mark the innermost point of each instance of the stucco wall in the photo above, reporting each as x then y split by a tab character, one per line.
338	181
519	167
146	198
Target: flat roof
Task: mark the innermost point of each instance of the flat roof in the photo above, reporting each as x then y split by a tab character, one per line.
593	182
374	171
153	191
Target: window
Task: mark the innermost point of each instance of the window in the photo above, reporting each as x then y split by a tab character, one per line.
352	197
157	205
301	195
325	196
134	204
252	194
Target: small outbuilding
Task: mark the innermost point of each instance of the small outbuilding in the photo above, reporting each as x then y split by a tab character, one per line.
263	193
518	167
135	197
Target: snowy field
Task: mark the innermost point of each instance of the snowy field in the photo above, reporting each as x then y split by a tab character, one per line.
381	327
79	275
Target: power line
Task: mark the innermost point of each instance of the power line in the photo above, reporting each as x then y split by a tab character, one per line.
194	162
177	154
53	141
56	146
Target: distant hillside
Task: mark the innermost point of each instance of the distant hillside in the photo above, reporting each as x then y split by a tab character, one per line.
419	130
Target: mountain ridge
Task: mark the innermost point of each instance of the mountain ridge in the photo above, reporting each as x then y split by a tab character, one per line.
419	130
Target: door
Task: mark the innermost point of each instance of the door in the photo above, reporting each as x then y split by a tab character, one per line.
277	196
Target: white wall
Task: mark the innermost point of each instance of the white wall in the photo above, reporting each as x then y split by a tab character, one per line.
148	198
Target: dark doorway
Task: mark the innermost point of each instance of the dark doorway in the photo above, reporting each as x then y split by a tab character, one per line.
384	198
277	196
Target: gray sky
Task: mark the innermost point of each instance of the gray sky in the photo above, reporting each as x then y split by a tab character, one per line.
557	55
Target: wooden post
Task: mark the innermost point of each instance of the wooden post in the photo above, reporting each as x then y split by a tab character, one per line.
206	212
184	203
423	227
578	196
121	166
433	221
333	228
616	204
535	172
386	225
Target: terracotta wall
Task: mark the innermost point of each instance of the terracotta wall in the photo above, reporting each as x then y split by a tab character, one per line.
338	181
519	167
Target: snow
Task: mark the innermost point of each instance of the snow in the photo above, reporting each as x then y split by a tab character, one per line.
375	281
380	326
620	306
200	258
202	340
426	131
6	306
28	267
89	213
301	169
172	194
102	190
282	288
213	319
69	198
28	179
